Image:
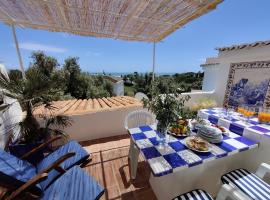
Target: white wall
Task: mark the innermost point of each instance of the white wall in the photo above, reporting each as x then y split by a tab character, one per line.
216	75
99	124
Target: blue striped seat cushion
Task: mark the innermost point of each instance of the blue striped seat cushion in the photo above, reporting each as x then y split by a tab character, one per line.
194	195
249	183
71	146
74	184
15	172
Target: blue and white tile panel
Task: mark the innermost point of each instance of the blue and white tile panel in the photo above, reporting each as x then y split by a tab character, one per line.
176	156
235	123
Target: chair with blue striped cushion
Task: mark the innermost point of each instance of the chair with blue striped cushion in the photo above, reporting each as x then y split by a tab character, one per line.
15	172
72	146
73	184
250	184
194	195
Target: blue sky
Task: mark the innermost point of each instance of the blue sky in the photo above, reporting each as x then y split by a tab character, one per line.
233	22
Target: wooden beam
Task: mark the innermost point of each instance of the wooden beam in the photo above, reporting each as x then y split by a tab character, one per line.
18	50
154	61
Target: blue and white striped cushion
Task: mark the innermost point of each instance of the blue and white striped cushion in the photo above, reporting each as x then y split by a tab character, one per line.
194	195
249	183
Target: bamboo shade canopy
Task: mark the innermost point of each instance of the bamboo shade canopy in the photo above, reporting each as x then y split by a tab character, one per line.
139	20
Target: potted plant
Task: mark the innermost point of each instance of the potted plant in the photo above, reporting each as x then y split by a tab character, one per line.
166	103
36	89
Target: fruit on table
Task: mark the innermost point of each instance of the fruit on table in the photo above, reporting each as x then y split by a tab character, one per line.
180	127
182	122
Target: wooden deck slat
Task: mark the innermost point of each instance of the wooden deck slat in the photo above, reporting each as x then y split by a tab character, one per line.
110	167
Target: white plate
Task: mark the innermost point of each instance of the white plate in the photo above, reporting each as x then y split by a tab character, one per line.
182	136
193	149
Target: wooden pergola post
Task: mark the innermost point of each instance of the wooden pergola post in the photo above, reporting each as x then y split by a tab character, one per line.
18	50
154	61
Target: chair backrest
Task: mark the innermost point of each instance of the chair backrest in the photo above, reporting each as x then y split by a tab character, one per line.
139	118
15	172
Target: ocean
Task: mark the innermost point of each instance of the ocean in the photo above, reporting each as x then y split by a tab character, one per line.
119	74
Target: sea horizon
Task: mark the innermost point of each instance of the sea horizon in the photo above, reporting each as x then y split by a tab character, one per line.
119	74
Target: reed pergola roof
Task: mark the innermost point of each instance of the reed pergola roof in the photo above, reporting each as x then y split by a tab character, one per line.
140	20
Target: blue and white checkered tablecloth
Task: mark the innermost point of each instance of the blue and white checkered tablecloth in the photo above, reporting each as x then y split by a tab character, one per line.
234	123
176	156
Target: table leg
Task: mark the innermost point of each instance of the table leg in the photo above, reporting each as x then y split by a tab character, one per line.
133	156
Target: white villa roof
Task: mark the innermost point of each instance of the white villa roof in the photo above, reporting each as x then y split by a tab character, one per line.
244	46
140	20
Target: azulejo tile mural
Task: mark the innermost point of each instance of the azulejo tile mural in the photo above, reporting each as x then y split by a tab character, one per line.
248	84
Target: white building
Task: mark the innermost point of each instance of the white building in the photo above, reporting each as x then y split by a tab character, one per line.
118	85
216	69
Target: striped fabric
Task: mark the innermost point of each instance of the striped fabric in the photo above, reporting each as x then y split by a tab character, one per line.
249	183
15	172
194	195
74	184
71	146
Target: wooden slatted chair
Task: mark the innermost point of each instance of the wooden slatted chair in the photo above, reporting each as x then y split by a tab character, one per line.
250	185
80	157
15	171
73	184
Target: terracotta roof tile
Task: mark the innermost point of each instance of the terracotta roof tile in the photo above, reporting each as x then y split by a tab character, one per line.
79	106
243	46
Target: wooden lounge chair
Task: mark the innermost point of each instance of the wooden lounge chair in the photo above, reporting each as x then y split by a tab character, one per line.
15	171
80	157
73	184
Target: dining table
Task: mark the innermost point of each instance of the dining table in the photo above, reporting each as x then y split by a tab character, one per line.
236	122
176	169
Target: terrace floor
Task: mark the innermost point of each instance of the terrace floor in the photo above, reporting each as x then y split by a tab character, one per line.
110	168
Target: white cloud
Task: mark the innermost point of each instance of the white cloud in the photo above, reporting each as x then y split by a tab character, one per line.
42	47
